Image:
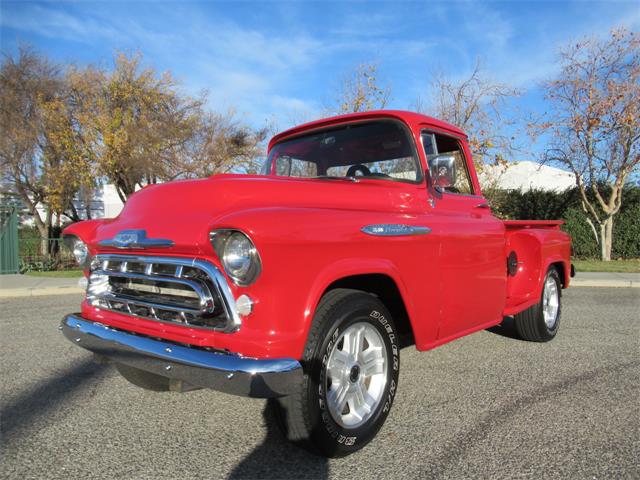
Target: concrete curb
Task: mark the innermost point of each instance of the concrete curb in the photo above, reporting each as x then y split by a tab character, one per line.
39	292
604	283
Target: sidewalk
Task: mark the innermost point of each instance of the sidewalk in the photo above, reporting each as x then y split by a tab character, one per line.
28	286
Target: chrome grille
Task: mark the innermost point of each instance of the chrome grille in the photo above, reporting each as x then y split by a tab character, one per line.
175	290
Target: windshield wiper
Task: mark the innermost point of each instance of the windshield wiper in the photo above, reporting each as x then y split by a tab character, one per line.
333	177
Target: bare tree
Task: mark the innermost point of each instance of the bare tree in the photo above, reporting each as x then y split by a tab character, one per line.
476	105
595	123
221	144
361	91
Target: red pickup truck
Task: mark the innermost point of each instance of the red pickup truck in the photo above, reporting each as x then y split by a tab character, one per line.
364	233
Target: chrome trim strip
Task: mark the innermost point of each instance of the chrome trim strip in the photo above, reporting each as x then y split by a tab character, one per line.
394	230
128	300
261	378
206	302
220	283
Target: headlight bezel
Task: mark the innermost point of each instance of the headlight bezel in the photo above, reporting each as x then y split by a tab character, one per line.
220	241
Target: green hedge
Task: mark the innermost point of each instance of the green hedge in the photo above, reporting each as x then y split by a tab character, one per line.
544	205
626	233
583	239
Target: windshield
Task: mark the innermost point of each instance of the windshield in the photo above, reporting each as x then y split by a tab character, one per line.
379	150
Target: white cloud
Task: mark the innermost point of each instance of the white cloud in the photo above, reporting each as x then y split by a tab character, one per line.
485	23
249	46
282	60
53	23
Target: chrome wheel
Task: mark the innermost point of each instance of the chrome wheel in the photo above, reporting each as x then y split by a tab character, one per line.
550	302
356	375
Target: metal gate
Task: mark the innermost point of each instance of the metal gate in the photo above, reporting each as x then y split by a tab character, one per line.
8	240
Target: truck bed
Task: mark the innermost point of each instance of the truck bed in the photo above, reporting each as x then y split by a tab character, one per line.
519	224
538	244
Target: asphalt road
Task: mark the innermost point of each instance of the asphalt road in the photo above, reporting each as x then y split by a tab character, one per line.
485	406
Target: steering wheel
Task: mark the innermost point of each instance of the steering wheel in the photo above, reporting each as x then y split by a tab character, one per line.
353	169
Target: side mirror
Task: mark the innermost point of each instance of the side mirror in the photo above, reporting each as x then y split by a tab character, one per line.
442	169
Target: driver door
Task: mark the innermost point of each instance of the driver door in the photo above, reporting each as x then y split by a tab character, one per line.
472	259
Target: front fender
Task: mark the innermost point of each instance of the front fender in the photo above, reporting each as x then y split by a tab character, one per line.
351	267
320	247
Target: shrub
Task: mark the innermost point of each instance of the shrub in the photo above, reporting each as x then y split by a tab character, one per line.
545	205
38	265
584	241
626	232
531	204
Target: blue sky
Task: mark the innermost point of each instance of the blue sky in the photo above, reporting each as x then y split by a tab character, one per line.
282	61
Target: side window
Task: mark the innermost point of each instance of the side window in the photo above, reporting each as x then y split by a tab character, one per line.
429	143
294	167
437	144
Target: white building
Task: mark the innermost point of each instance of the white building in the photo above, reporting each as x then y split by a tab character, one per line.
105	203
111	203
527	175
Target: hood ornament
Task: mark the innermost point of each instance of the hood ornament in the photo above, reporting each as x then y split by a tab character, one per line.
135	239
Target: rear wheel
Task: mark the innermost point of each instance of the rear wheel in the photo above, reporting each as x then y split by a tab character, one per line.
540	322
351	364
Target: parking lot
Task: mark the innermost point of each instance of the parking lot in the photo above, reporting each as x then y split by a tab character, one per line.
485	406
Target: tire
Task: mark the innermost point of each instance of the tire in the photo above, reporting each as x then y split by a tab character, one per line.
540	322
327	415
142	379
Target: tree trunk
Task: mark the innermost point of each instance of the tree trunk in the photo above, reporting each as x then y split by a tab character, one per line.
606	239
73	215
44	235
87	196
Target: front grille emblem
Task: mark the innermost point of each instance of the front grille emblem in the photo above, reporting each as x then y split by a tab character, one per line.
135	239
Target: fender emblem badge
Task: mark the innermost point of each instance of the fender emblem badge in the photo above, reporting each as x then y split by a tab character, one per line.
394	230
135	239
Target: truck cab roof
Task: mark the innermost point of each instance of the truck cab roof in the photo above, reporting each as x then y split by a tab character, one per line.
410	118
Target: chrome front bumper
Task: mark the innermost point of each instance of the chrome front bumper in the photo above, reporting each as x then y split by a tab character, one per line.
228	373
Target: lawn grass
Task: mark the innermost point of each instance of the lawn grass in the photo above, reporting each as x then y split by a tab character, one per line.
616	266
57	274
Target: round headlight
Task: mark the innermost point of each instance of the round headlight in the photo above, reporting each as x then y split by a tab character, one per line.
80	251
238	255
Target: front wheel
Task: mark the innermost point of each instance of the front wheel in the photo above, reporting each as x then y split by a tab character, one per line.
351	364
540	322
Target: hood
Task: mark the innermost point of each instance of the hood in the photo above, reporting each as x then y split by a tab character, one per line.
185	211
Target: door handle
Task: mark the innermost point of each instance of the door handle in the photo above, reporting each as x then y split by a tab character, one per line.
483	205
